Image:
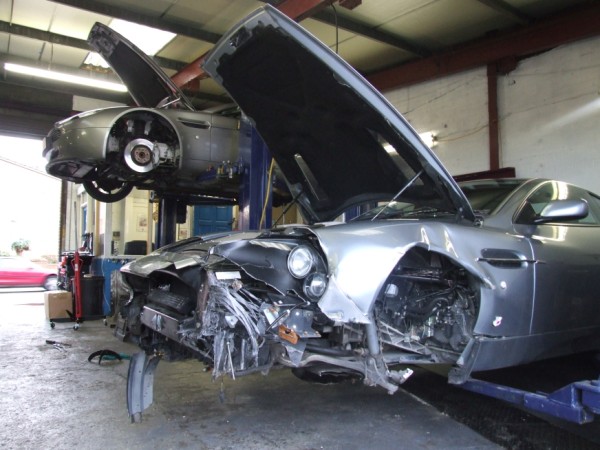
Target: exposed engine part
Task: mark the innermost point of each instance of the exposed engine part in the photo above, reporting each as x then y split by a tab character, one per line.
424	308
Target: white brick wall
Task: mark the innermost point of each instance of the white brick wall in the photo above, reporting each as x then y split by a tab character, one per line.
455	110
549	110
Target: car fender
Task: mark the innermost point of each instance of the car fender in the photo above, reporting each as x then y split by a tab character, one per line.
360	258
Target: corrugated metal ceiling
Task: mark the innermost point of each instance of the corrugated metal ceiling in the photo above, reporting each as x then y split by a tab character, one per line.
375	35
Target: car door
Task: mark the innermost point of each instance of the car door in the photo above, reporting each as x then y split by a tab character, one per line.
31	274
12	272
6	274
567	274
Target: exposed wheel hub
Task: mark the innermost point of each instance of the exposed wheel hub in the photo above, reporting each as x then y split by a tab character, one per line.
140	156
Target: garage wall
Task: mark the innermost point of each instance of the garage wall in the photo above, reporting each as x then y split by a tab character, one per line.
549	109
454	109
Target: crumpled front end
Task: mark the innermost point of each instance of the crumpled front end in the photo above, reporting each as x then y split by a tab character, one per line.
239	305
249	303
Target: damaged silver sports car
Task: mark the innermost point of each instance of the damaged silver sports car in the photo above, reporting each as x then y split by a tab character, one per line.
480	276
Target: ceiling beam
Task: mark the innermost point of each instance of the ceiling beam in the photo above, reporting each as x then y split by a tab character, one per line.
329	16
161	23
294	9
301	9
34	33
332	18
53	38
544	35
508	10
197	98
69	89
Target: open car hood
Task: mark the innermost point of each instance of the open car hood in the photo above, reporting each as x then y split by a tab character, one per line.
336	139
147	84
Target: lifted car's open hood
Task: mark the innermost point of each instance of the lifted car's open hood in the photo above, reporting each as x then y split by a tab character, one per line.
337	140
148	85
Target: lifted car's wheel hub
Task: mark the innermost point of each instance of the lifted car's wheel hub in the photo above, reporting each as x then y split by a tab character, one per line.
140	156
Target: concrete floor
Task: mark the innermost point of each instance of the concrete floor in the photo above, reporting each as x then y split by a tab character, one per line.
57	399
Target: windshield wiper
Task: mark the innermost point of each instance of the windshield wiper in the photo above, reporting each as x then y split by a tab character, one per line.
406	186
426	210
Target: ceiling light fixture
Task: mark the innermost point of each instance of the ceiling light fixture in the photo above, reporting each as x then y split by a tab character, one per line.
64	77
429	138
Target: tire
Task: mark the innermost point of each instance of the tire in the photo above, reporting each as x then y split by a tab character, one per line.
107	191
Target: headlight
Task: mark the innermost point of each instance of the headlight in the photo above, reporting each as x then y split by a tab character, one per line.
300	261
315	285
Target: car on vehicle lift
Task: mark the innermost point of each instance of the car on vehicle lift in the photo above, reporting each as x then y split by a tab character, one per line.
163	144
484	275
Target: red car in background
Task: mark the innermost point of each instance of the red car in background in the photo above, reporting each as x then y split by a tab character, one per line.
20	272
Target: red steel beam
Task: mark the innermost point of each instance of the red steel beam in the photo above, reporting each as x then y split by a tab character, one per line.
544	35
294	9
494	123
301	9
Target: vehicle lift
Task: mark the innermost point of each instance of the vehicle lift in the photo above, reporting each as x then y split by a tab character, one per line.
577	402
255	197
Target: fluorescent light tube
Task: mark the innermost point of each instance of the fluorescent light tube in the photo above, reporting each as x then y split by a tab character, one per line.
64	77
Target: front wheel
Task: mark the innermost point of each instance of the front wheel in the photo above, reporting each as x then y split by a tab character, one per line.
107	190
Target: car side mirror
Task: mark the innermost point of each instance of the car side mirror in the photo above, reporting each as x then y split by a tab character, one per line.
562	210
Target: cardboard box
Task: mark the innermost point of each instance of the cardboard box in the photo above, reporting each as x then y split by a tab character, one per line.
57	303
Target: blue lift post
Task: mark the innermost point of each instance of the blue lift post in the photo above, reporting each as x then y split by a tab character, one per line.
576	402
255	180
166	221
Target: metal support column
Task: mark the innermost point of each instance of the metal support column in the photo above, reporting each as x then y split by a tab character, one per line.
255	193
167	220
494	143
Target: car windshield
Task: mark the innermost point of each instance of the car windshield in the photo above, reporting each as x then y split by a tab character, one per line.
483	195
486	195
402	210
